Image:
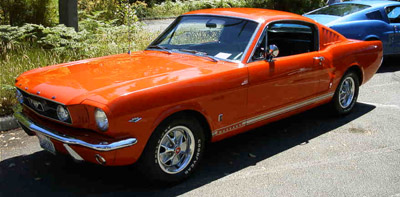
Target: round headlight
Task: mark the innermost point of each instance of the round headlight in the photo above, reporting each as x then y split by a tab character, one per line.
62	113
19	96
101	119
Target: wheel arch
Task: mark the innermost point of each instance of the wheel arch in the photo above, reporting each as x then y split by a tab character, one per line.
188	112
372	38
358	70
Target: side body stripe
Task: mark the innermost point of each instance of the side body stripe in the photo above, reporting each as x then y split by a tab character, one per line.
269	115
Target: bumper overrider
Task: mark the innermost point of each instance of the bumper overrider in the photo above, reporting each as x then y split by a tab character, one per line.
68	142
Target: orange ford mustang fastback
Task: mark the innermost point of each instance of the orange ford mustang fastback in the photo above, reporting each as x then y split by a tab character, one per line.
210	75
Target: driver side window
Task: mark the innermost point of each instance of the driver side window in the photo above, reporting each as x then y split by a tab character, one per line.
291	38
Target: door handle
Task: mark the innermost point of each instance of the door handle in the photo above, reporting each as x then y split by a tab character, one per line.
319	58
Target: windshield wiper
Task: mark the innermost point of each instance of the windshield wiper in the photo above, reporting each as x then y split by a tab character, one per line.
200	53
160	47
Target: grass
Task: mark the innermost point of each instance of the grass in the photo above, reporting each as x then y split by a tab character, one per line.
18	58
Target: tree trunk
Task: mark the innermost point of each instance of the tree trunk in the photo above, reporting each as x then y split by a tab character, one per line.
68	13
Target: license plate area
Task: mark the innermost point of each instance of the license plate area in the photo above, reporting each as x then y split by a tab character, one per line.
46	143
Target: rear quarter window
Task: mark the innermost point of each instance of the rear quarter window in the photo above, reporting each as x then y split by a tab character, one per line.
375	15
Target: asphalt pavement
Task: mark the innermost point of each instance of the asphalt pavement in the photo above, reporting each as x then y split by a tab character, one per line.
310	154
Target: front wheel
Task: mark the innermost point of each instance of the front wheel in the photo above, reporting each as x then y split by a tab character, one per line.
174	150
346	94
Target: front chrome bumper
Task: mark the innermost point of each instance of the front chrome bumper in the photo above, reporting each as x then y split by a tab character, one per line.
103	146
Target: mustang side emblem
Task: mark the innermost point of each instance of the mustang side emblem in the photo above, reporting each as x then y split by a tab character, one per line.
134	120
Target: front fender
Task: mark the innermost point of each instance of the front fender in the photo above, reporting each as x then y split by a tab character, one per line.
196	107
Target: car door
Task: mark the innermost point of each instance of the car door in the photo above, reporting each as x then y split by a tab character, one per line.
290	78
393	14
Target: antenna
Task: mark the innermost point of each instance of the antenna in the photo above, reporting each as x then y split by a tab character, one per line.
129	26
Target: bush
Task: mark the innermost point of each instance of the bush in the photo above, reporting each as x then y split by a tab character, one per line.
296	6
119	11
169	8
18	12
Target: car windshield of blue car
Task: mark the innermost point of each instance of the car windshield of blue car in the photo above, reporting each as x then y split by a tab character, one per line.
340	9
212	36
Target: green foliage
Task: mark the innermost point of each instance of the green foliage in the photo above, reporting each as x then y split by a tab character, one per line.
44	37
31	46
18	12
296	6
169	8
174	8
119	11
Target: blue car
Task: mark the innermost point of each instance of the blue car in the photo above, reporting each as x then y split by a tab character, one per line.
364	20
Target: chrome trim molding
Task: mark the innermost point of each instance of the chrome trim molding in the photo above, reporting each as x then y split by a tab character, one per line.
269	115
287	109
229	128
73	154
57	120
104	146
40	97
135	120
251	42
34	95
255	46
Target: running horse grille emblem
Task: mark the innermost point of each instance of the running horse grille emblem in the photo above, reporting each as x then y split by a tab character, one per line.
39	106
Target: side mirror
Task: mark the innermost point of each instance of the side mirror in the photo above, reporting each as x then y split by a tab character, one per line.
272	52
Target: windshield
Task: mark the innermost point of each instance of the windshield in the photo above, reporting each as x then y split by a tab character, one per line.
340	9
214	36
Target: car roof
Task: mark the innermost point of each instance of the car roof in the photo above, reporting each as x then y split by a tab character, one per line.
255	14
373	3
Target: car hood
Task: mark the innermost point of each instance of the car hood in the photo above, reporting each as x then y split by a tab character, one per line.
323	19
106	78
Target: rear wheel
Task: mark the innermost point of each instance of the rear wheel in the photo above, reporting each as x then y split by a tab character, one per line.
346	94
174	150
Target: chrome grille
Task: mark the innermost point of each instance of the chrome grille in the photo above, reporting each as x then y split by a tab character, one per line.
42	106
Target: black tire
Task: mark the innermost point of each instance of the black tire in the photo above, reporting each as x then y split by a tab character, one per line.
343	108
150	163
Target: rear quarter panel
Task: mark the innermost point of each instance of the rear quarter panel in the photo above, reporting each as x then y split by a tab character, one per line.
366	55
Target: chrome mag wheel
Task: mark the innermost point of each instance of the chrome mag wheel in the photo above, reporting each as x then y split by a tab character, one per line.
346	92
176	149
